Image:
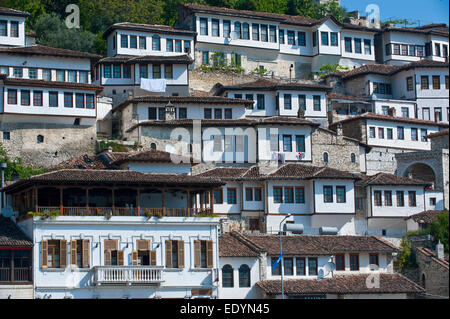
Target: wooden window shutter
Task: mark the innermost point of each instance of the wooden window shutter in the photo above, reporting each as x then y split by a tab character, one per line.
197	254
120	258
86	253
73	252
134	257
180	254
168	253
143	244
152	257
44	254
62	253
107	258
209	254
111	244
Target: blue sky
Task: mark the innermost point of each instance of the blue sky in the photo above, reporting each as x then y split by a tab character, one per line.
427	11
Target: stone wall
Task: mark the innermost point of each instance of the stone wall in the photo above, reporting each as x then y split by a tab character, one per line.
439	143
382	159
60	142
436	275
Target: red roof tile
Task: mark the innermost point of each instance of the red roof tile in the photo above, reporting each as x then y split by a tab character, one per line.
389	179
11	236
45	50
373	116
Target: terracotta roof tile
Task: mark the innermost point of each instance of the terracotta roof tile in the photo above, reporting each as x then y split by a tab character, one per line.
130	59
11	235
53	84
438	134
230	246
13	12
389	179
373	116
45	50
349	284
300	171
270	85
433	256
157	28
148	156
426	217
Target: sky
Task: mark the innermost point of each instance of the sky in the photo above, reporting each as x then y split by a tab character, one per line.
425	11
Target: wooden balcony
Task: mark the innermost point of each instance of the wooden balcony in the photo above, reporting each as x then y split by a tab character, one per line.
122	211
128	275
16	275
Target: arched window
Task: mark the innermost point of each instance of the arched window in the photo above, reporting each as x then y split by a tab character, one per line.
227	277
153	146
353	158
237	29
244	276
325	158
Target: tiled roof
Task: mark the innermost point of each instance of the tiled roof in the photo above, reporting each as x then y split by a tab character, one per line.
438	134
13	12
435	29
426	217
11	236
389	179
100	161
148	156
424	63
311	245
45	50
269	85
156	28
373	116
53	84
433	256
337	96
346	284
231	246
112	177
225	173
300	171
130	59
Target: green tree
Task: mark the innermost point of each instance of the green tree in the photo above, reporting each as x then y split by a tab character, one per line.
16	167
406	258
439	229
35	7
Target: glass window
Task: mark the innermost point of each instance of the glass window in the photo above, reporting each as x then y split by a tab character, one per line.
218	196
203	26
226	28
237	29
273	34
18	73
143	71
334	39
289	195
400	133
302	102
278	195
258	194
414	136
12	96
299	195
245	31
387	198
32	73
377	198
287	143
291	37
143	43
341	194
412	50
420	50
374	260
358	47
231	196
182	113
228	113
37	98
133	42
249	194
423	133
325	157
205	57
79	100
25	97
215	28
244	276
317	104
400	199
227	277
353	158
124	41
3	28
348	45
404	48
328	194
4	70
152	114
381	133
83	77
324	37
436	82
396	49
156	71
156	43
288	263
264	36
53	99
260	102
354	262
72	76
107	71
390	134
437	49
187	47
169	45
255	32
117	71
409	83
300	141
340	262
367	46
68	99
312	266
14	29
207	114
426	113
301	266
412	198
178	46
126	71
218	114
372	132
277	270
287	102
424	84
168	71
90	101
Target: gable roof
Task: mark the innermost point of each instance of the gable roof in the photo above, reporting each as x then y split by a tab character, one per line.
373	116
433	256
38	49
390	180
11	236
13	12
342	284
426	217
154	28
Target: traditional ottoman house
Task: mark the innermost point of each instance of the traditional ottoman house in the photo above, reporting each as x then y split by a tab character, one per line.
282	45
16	276
119	234
12	27
315	267
402	45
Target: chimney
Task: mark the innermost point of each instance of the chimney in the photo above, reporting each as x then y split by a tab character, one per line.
440	251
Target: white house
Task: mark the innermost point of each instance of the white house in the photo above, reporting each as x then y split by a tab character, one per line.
401	45
148	238
12	27
282	45
315	267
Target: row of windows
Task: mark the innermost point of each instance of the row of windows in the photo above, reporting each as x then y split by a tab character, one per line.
400	133
355	45
228	276
304	266
386	110
54	254
135	42
155	113
118	71
60	75
382	88
405	49
288	193
13	29
302	102
287	143
437	114
81	100
425	82
218	58
400	195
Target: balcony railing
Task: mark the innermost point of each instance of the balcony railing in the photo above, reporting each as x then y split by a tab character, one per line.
20	275
122	211
128	275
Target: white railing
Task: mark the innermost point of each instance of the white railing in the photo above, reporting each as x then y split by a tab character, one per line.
128	275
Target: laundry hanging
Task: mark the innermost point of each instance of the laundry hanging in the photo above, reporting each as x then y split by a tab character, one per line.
154	85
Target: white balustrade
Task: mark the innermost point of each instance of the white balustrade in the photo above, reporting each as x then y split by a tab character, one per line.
128	275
